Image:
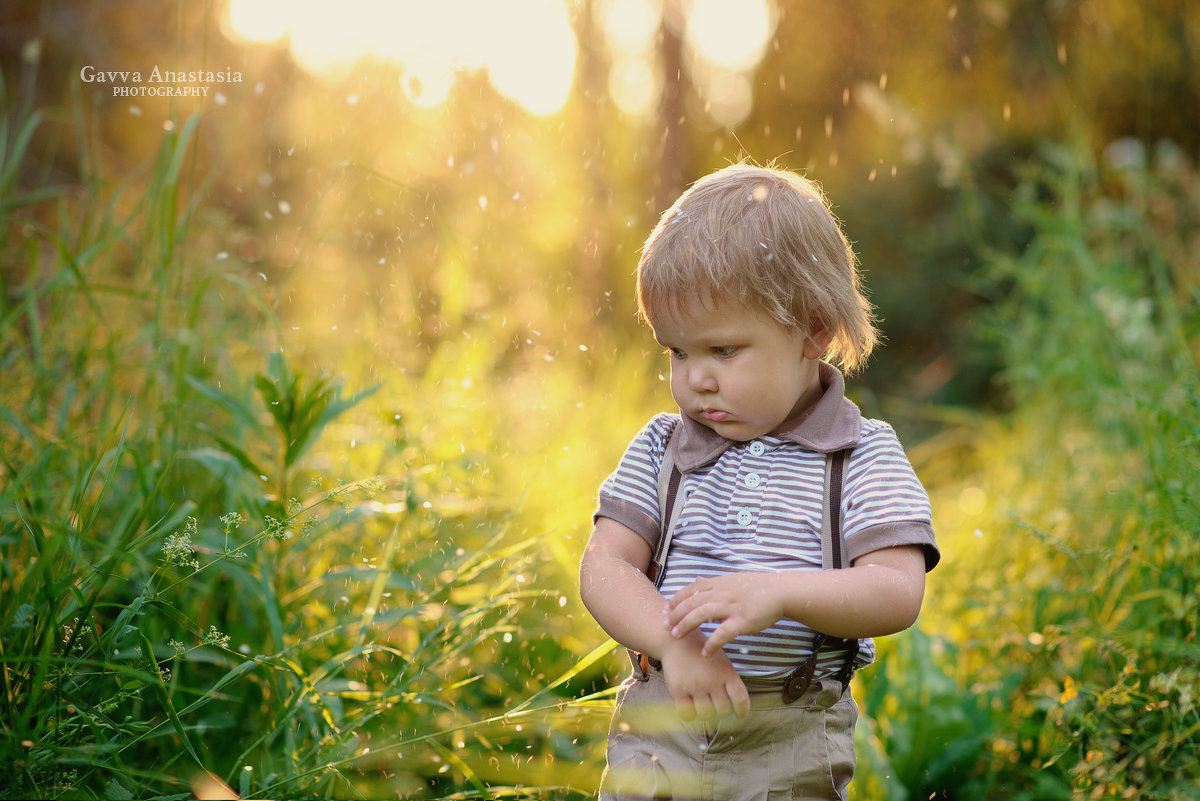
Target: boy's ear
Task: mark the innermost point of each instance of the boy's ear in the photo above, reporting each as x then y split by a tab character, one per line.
816	343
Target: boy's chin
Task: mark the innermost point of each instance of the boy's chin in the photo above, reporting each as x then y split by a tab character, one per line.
730	429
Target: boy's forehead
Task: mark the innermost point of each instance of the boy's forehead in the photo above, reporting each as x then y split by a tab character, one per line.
698	316
683	310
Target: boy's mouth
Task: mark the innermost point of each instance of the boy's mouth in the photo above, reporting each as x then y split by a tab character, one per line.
714	415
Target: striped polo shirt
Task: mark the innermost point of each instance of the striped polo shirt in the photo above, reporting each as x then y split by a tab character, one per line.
757	506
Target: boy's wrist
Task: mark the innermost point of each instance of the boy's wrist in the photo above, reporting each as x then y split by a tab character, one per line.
690	646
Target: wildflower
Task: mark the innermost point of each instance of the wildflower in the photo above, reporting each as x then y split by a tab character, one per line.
1173	683
231	521
308	524
178	548
178	646
64	783
339	495
304	523
277	529
77	631
215	637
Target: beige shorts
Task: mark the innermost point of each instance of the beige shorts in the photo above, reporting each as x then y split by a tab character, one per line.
780	752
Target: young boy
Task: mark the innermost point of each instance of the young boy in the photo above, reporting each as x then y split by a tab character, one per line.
748	282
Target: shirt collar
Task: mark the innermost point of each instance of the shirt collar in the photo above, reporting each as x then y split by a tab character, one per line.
832	424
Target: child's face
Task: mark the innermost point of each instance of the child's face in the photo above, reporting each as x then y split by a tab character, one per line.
736	371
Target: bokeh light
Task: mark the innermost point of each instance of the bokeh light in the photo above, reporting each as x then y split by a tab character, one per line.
526	47
732	34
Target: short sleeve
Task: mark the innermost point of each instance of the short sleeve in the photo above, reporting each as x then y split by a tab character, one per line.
883	502
630	493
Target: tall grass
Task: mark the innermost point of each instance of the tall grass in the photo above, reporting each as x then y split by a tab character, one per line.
195	596
1070	524
228	565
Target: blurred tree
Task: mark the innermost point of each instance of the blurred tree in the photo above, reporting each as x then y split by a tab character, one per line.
671	149
432	217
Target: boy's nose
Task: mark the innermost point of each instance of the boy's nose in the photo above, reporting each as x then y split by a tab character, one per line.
701	379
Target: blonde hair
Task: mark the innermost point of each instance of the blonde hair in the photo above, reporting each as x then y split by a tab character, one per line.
767	239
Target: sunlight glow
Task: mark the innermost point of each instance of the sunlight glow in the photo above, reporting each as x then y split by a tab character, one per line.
255	21
631	29
535	63
634	85
728	95
630	26
731	33
527	47
728	39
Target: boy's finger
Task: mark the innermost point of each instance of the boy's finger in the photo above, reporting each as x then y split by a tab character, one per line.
687	593
722	703
680	596
724	634
684	625
685	708
672	617
740	698
679	607
704	708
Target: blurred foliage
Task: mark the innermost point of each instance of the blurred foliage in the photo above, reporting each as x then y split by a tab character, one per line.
374	185
1072	520
191	597
206	305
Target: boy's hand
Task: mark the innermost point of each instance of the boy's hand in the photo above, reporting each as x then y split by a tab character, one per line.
706	687
741	602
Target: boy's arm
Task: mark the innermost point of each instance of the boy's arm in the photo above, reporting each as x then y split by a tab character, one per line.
615	589
881	594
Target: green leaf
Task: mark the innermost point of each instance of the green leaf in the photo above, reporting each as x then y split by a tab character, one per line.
115	791
220	463
244	777
301	410
236	452
10	161
181	149
169	707
240	411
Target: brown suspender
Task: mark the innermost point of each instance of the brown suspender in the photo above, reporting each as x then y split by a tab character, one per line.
669	479
833	556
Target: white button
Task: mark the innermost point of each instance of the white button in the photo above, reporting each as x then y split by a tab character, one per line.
757	448
744	517
753	480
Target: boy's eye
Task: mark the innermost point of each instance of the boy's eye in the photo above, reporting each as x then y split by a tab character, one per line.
675	353
725	351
